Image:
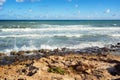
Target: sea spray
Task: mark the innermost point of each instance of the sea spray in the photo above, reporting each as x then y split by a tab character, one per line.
29	35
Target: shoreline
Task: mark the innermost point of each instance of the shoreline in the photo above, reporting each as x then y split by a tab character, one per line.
112	48
8	58
63	67
92	63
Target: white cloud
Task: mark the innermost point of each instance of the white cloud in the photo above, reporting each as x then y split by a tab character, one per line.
27	0
2	2
107	11
10	11
76	5
33	0
30	10
79	12
19	0
69	0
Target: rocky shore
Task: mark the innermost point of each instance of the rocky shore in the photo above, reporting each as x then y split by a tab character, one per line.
92	63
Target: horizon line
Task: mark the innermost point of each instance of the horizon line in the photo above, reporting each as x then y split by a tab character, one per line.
51	19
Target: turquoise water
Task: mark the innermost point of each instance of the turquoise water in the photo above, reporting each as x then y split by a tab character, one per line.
74	34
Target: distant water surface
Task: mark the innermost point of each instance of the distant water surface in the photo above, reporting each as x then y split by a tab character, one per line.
74	34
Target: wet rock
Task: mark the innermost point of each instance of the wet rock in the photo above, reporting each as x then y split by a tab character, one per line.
28	51
17	53
32	70
57	50
118	43
22	71
117	67
2	55
29	71
91	50
42	50
35	51
20	53
112	46
105	49
13	53
63	49
115	70
45	51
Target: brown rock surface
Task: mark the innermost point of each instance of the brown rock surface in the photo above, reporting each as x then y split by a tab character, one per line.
74	67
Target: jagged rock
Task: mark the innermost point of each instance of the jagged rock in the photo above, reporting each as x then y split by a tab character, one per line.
84	67
64	49
13	53
56	50
105	49
88	71
17	53
28	51
78	77
80	68
32	72
117	79
57	64
45	51
76	66
67	78
20	53
21	79
117	67
2	54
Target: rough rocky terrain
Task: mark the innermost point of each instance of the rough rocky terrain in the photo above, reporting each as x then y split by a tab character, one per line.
64	67
94	64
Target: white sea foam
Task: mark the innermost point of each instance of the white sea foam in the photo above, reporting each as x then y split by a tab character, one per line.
52	47
115	35
69	31
23	35
39	35
61	28
48	47
87	44
58	35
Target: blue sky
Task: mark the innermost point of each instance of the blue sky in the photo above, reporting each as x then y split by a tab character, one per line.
59	9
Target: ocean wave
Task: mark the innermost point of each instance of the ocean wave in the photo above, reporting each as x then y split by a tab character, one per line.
60	35
60	29
115	35
52	47
39	35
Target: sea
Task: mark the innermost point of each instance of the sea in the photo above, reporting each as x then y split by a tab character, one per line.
16	35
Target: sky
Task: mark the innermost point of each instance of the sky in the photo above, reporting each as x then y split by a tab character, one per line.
59	9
